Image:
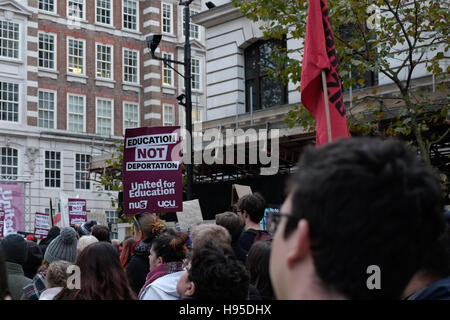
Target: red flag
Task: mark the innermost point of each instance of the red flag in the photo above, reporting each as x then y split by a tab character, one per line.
320	54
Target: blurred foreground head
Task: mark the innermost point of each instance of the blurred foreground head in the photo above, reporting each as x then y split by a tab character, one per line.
361	213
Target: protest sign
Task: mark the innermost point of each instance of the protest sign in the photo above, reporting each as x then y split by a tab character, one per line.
191	215
238	191
77	211
41	225
152	177
11	208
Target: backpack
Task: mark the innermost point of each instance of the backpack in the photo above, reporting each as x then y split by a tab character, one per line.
260	235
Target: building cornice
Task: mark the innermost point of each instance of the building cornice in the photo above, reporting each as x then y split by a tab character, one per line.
13	6
217	15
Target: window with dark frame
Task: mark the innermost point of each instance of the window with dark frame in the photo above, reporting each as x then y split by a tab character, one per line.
261	90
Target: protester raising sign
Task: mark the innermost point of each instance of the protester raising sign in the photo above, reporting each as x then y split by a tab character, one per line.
41	225
152	177
77	211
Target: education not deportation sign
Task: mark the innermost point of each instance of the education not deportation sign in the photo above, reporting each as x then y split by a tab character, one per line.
77	211
152	177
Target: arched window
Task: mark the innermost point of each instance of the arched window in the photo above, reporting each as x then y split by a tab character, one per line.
261	90
9	163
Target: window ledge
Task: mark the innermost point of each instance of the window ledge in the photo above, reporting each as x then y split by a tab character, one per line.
11	60
105	82
43	14
73	77
48	73
131	86
108	26
131	31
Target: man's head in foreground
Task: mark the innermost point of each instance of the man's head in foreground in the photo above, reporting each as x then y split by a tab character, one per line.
354	206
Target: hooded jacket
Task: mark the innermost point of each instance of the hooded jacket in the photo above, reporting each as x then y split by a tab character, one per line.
163	288
139	266
16	280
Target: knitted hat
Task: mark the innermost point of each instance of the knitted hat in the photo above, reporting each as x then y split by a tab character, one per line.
15	249
85	241
63	247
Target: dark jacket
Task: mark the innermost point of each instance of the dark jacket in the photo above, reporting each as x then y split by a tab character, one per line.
240	253
139	266
439	290
16	280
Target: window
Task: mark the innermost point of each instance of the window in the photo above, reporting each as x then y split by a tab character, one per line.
112	218
82	162
104	12
196	116
130	115
47	211
9	102
194	29
47	5
104	61
75	113
195	73
262	91
167	71
9	39
76	9
104	117
46	109
168	115
167	22
76	56
130	66
47	51
52	169
9	163
130	15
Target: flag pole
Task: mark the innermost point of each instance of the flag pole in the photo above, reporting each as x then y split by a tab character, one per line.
327	106
51	212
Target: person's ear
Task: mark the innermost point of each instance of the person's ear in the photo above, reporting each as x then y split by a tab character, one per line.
160	260
299	244
190	289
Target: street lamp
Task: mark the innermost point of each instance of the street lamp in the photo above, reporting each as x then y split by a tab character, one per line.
153	43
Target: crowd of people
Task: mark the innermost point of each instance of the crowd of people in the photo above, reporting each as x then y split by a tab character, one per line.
352	206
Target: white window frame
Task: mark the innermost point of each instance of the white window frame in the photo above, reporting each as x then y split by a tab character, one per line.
84	111
84	56
55	7
112	60
137	17
137	66
16	176
171	18
19	101
19	48
61	175
55	50
192	12
112	115
123	113
199	89
75	172
83	18
164	115
55	101
170	56
112	15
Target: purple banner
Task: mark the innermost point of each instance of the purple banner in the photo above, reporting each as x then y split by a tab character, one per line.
77	211
152	176
41	225
11	208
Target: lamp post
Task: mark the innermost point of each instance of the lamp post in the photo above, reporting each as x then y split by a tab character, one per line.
153	43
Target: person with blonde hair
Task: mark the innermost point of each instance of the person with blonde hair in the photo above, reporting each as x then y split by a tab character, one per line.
56	279
146	227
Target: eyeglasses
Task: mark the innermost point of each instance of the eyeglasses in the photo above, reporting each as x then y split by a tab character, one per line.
275	221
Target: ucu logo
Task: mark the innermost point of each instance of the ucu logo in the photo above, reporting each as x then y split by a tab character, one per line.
166	204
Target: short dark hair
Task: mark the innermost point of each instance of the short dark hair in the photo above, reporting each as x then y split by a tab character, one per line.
217	274
254	204
171	246
231	222
368	202
101	233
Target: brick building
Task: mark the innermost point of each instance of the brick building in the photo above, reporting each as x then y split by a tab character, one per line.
73	75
